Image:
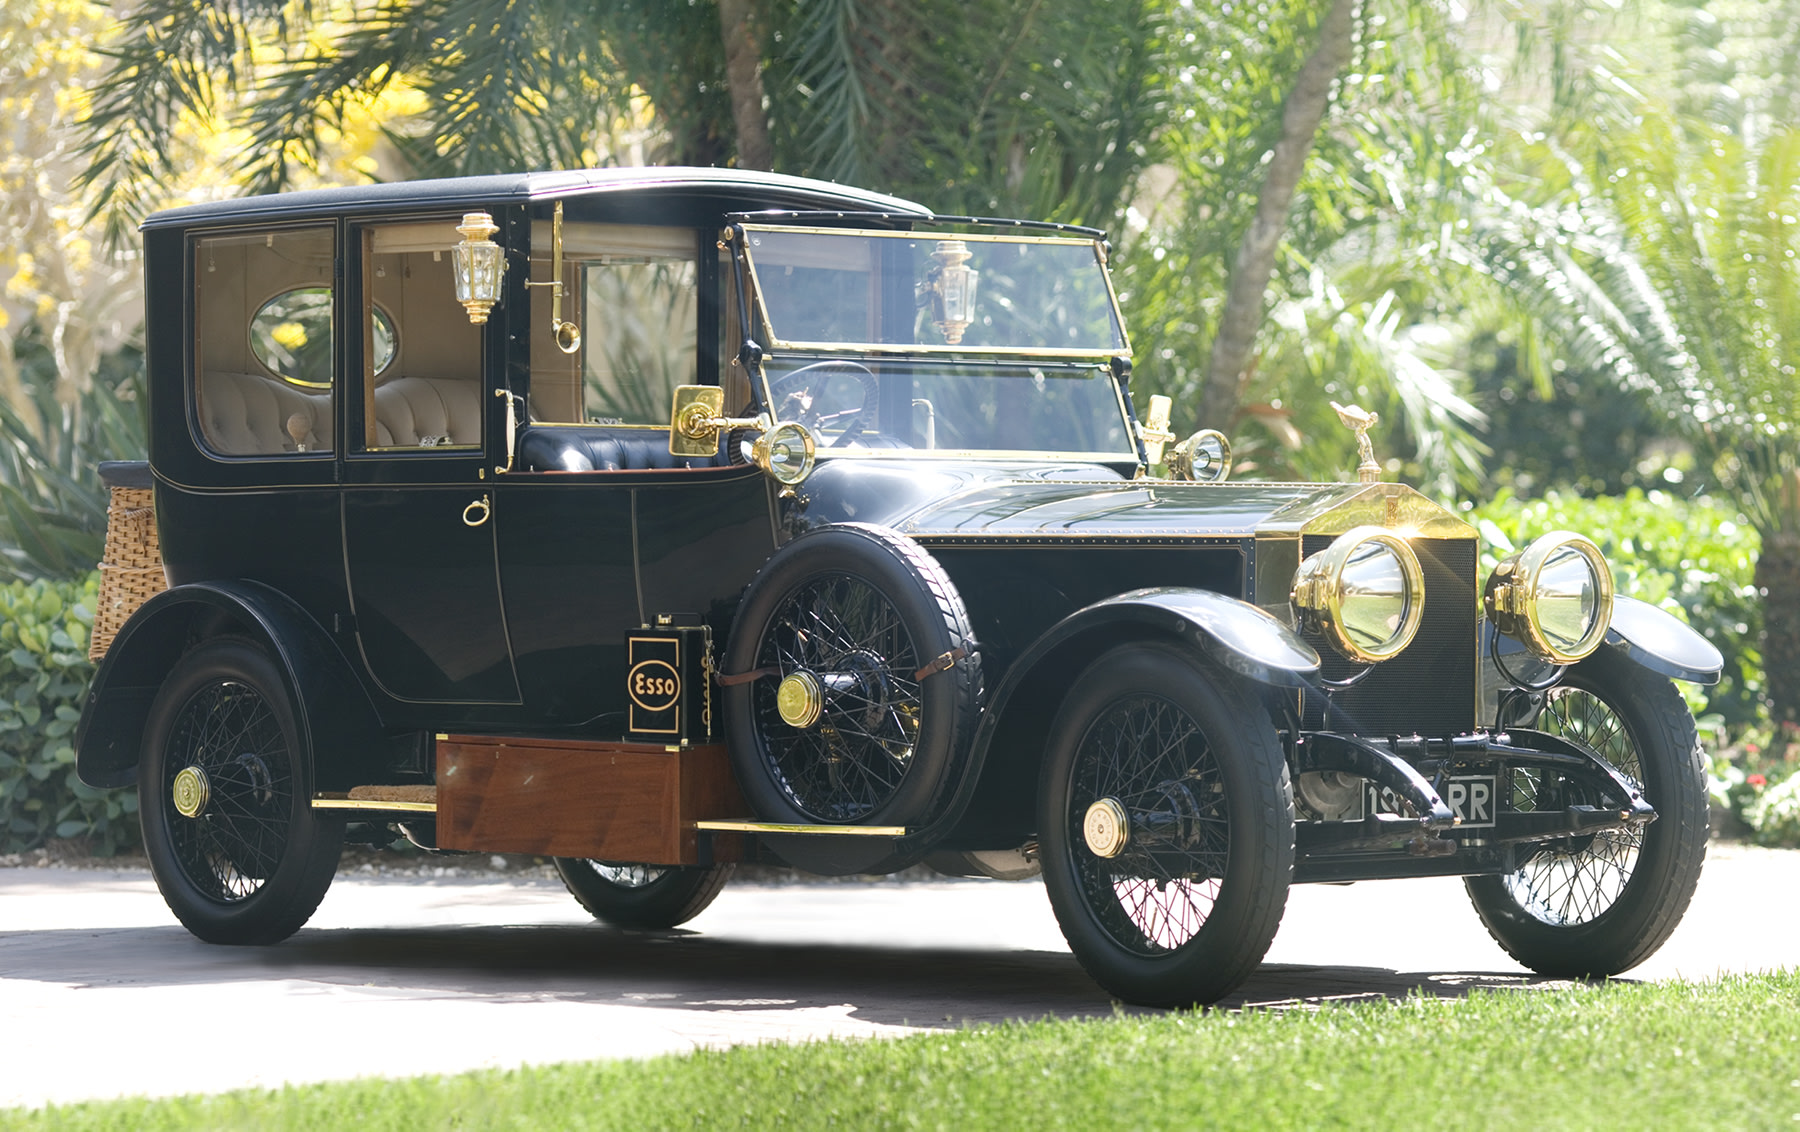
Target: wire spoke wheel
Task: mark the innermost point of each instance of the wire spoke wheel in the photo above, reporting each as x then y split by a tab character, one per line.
225	781
852	761
1166	823
230	733
1151	756
1576	884
1603	902
644	897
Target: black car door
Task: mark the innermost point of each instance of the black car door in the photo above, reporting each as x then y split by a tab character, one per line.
425	434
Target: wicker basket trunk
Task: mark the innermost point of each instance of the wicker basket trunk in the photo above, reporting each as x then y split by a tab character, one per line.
131	570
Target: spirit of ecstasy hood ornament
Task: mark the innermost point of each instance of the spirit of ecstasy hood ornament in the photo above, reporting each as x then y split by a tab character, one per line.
1360	421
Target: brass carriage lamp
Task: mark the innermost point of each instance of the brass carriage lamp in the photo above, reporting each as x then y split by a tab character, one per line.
952	290
479	264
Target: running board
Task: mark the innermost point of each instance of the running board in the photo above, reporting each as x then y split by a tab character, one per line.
387	799
779	827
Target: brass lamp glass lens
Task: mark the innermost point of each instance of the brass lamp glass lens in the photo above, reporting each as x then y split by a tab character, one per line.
1373	595
1568	597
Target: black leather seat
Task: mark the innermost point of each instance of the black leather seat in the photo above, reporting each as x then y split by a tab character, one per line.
563	448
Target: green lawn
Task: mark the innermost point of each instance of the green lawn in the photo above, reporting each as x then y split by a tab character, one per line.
1714	1055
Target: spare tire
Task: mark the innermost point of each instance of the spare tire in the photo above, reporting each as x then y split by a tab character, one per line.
850	682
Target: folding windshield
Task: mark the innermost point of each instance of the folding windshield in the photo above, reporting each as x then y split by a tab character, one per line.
925	292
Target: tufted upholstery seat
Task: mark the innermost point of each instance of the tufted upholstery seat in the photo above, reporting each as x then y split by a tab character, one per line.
411	411
246	414
550	448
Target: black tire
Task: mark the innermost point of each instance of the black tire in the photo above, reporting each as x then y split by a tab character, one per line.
646	897
1186	909
1605	903
864	609
252	863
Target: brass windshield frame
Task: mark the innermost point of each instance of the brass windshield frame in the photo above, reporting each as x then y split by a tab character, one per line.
1081	353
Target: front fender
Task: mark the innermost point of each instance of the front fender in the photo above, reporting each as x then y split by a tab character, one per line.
337	721
1661	642
1239	636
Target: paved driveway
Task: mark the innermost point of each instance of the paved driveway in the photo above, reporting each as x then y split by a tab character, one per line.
102	994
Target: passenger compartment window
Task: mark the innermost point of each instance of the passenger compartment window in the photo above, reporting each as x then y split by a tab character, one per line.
636	294
421	377
264	342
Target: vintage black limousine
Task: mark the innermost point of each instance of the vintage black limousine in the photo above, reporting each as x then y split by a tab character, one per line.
657	520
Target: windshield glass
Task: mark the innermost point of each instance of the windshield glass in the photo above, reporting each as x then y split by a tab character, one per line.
928	292
873	406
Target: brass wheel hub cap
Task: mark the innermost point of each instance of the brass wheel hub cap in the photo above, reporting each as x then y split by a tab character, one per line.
190	792
1105	828
800	699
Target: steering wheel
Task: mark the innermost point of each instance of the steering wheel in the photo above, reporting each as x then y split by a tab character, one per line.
816	377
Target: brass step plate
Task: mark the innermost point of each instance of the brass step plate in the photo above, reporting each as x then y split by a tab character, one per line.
779	827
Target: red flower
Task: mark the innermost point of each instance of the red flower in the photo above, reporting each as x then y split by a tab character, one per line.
1757	781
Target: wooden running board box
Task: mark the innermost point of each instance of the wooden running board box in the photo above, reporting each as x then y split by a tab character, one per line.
625	802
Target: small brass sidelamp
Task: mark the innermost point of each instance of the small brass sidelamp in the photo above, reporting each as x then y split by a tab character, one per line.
952	288
479	265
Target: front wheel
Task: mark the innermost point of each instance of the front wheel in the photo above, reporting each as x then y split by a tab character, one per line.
1167	827
1602	904
225	781
646	897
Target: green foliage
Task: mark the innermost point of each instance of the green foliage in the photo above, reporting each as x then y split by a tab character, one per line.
1574	1056
44	674
1692	557
52	504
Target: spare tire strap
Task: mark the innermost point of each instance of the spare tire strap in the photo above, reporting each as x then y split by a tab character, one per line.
941	664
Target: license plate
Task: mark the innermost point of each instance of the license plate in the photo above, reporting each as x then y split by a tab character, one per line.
1471	797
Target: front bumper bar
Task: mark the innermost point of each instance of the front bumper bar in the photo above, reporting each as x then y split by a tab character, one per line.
1415	770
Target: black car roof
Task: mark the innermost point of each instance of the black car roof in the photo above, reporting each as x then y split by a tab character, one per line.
736	189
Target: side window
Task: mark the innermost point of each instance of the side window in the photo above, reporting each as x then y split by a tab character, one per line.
635	293
421	357
264	342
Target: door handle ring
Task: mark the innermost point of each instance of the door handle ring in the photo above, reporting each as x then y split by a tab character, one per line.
477	512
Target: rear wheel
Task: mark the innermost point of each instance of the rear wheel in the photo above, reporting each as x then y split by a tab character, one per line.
1601	904
225	782
648	897
1167	827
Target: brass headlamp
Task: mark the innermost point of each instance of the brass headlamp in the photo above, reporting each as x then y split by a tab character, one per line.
1555	597
1365	593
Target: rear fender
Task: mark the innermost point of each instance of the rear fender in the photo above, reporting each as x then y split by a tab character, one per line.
337	722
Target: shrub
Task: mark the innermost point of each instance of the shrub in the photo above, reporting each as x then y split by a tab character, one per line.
44	675
1693	557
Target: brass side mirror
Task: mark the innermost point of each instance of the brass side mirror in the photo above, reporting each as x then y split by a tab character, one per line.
1204	457
566	335
784	451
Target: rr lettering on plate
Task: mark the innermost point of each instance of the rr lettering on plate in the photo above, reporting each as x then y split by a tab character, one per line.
1471	797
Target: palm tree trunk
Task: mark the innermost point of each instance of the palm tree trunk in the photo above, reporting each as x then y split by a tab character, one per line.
744	81
1778	577
1243	313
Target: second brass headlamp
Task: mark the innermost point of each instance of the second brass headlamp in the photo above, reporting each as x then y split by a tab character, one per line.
1555	597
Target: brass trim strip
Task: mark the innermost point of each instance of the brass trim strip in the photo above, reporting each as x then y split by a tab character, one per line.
372	804
779	827
886	234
